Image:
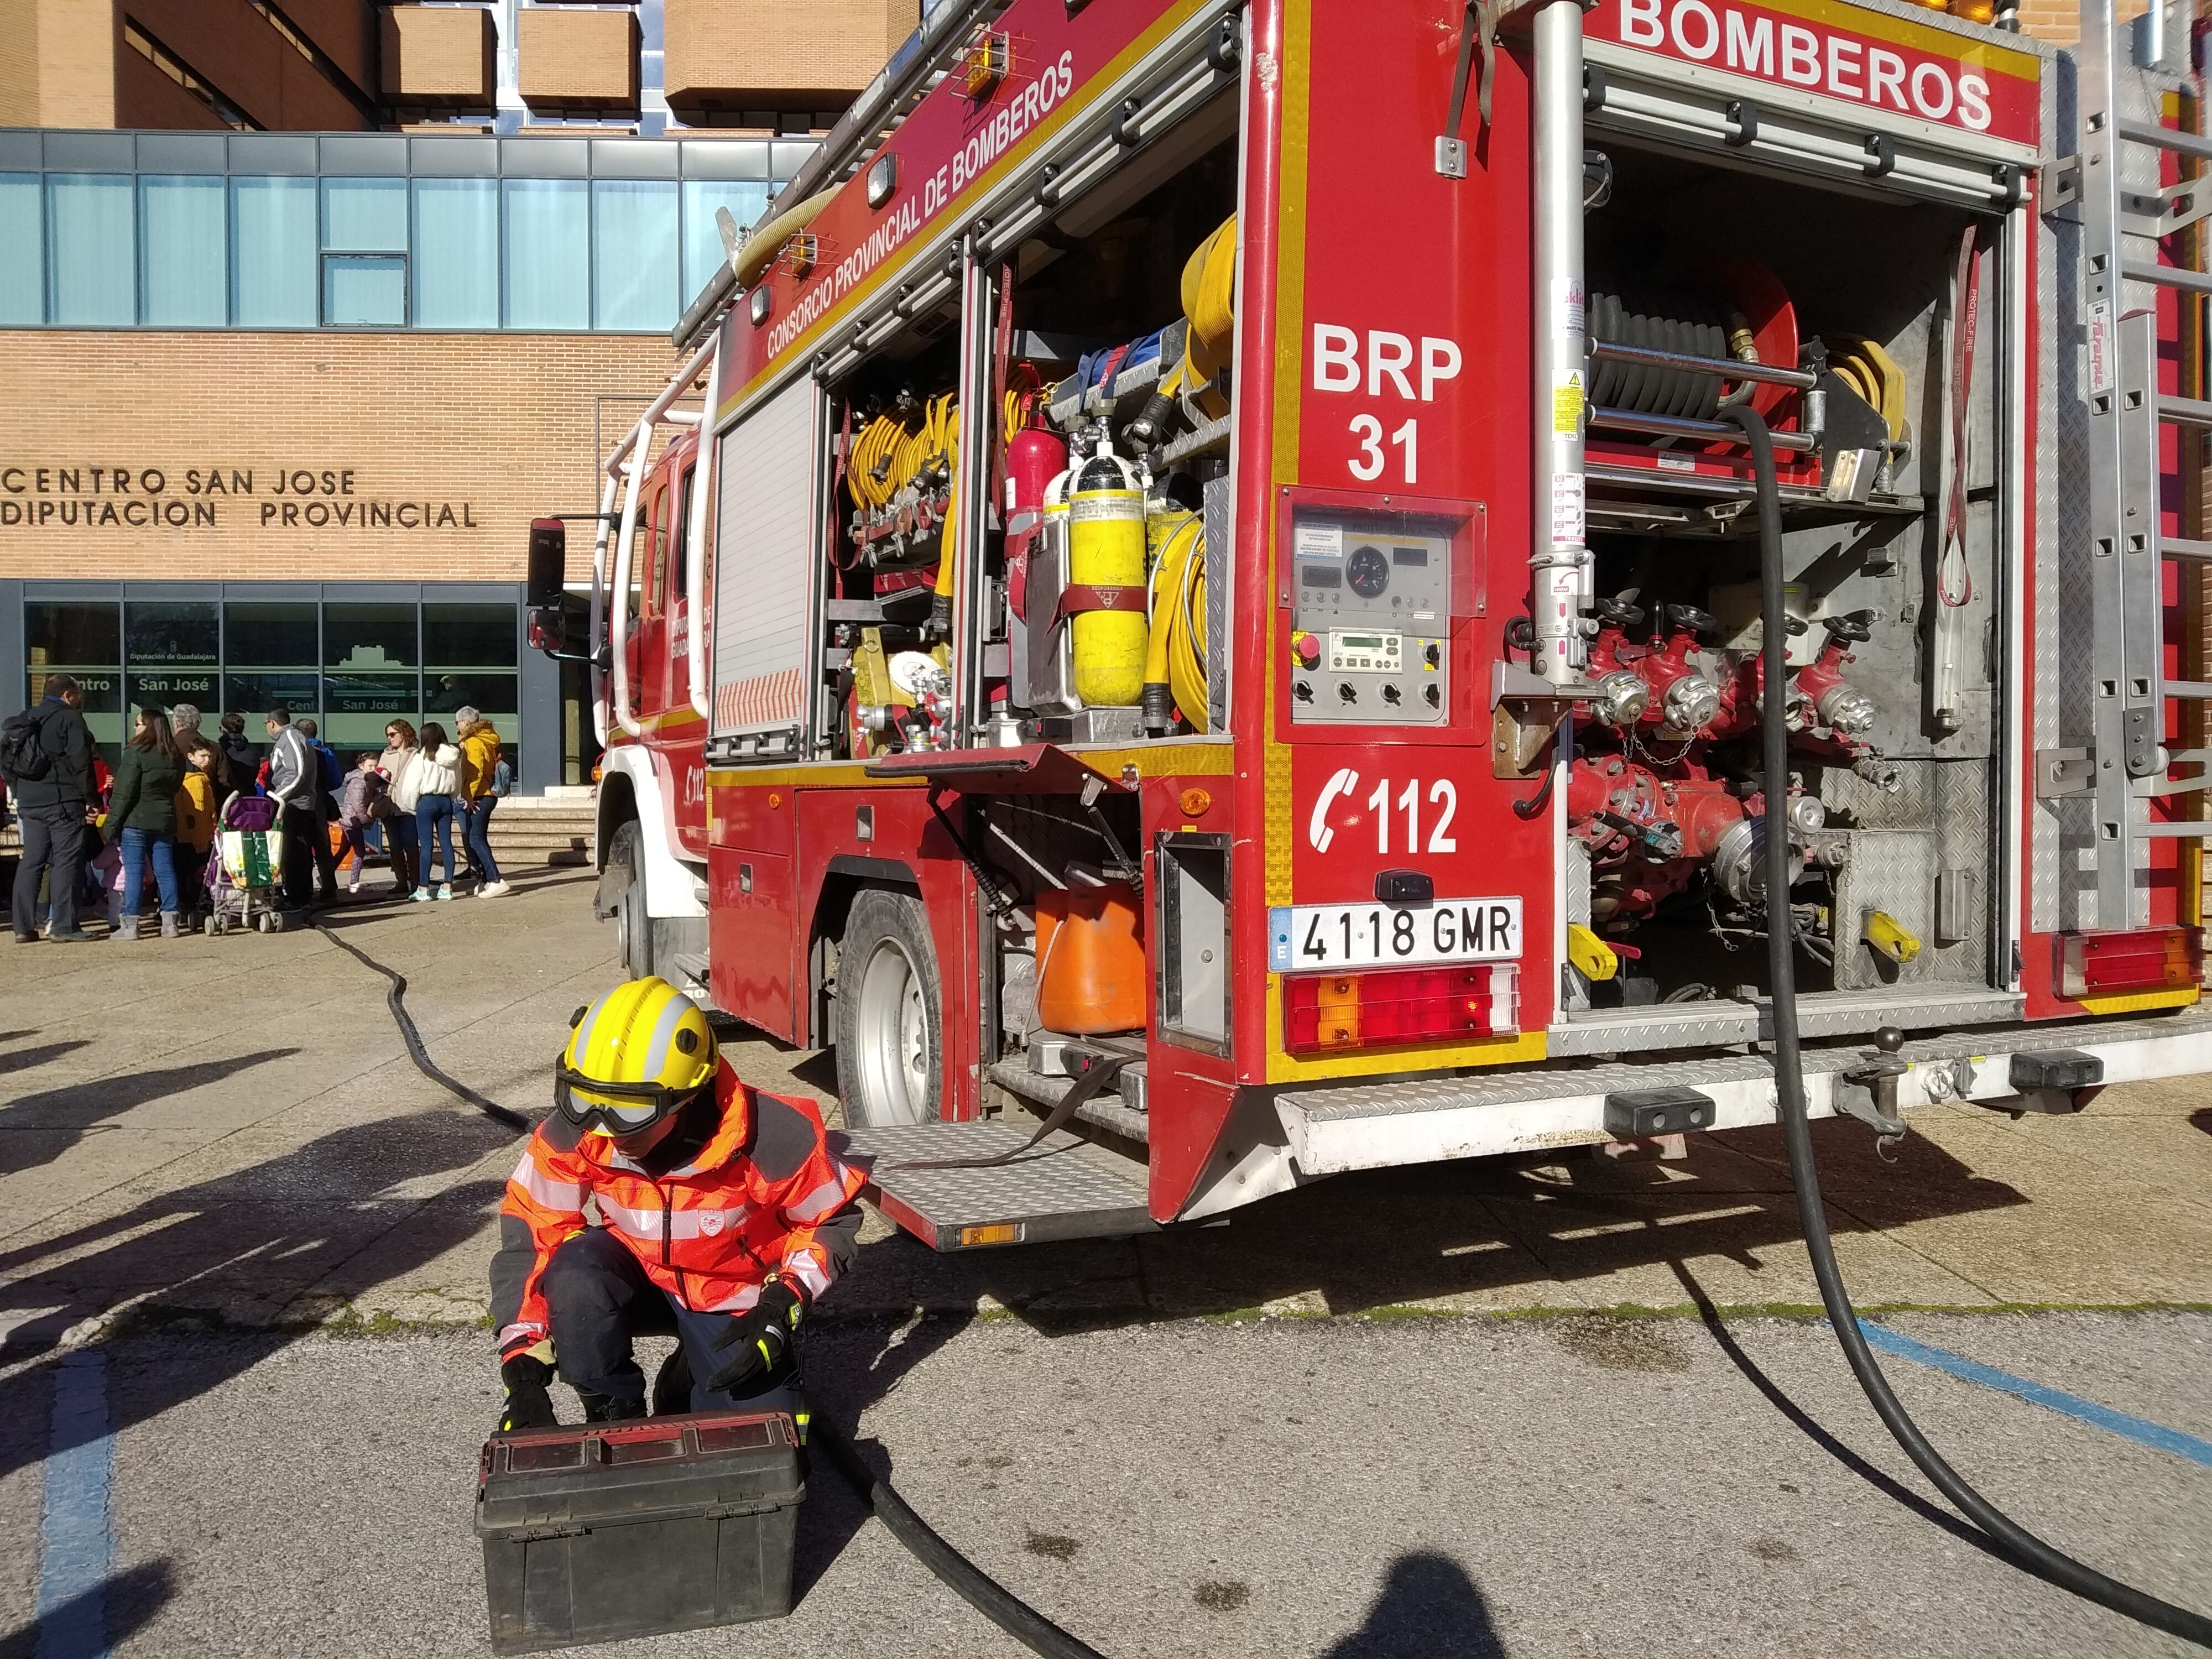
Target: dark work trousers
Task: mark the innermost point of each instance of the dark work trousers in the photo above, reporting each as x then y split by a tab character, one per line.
300	824
326	861
54	846
600	1297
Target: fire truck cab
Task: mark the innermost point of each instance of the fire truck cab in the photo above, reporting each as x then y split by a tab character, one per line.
1199	581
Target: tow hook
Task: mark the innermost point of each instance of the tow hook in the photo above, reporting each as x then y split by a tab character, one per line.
1871	1095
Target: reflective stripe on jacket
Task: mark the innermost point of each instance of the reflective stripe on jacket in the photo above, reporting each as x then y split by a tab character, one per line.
764	1195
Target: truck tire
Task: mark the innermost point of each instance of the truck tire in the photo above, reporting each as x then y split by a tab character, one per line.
890	1021
625	872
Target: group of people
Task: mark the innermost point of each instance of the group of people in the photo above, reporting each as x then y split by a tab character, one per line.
159	809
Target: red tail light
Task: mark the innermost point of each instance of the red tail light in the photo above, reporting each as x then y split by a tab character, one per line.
2145	959
1397	1006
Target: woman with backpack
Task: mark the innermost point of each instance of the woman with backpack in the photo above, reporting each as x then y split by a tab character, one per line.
141	816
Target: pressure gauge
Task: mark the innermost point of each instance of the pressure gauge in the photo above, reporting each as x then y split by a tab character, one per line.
1367	569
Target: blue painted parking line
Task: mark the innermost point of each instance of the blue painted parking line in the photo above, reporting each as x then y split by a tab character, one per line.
76	1536
2154	1435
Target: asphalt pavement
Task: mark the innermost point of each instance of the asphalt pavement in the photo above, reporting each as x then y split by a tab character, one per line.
1514	1408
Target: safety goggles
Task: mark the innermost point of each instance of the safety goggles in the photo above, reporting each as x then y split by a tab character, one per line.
614	1108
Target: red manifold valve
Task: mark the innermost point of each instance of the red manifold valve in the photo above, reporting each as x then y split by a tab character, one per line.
1387	1008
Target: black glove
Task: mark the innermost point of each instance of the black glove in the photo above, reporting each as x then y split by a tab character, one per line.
758	1338
528	1405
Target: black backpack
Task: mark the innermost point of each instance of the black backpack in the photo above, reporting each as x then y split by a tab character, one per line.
23	753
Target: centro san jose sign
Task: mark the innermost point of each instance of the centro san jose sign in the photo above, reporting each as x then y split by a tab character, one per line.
59	498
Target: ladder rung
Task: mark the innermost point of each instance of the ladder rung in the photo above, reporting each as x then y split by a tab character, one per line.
2193	831
2173	547
2187	691
2158	789
2196	281
2184	143
2190	411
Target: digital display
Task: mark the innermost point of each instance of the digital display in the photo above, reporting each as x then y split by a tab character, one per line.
1359	641
1409	556
1321	575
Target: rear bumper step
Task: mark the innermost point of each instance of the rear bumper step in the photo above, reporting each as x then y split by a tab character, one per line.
1064	1187
1378	1126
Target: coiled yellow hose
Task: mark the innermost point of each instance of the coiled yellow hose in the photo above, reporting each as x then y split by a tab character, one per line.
1176	601
1209	306
1864	365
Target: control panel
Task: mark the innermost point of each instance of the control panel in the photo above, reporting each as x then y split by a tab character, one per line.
1370	618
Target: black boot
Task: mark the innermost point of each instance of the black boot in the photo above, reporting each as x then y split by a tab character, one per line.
672	1387
603	1408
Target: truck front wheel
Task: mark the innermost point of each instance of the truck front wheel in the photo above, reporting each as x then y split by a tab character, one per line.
890	1044
622	895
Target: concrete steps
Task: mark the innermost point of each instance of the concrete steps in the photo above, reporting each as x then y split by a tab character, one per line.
552	829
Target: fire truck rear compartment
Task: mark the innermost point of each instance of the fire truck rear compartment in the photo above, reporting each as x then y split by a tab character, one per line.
1091	292
1892	800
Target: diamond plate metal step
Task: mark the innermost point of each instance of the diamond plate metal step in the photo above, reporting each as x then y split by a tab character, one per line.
1065	1188
1110	1112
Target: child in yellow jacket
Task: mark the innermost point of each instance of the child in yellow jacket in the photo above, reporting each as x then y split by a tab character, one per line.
195	814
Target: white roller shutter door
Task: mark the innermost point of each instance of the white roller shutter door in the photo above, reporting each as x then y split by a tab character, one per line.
763	560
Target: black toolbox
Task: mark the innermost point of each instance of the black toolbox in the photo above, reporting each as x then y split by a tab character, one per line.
604	1530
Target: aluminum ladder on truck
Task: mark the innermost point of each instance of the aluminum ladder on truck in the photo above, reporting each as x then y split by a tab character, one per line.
2124	211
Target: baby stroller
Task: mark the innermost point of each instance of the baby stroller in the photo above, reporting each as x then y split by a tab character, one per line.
243	876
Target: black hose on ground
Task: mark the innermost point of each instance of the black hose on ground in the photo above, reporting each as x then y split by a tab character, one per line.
962	1577
394	1000
2024	1548
969	1581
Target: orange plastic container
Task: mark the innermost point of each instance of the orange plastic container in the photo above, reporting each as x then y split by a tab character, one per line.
1090	960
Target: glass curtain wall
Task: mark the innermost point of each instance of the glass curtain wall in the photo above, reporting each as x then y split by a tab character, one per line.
85	640
22	251
273	220
94	267
456	253
352	664
469	653
185	250
489	250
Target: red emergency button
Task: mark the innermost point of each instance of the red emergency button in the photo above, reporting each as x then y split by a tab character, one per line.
1307	649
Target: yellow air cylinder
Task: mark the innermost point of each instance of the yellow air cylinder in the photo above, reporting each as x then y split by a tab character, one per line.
1106	552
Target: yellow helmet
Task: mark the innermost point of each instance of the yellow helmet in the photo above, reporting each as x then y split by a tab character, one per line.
639	1052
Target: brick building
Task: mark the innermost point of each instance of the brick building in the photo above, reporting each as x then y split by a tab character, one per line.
307	306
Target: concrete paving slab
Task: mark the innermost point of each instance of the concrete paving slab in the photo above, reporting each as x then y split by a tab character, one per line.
1343	1488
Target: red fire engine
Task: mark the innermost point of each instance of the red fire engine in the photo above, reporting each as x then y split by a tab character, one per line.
1199	580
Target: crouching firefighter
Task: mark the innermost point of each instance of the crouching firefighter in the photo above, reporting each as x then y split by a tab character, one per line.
725	1215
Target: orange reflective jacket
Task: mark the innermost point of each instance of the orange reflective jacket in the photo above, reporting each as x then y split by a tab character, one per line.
757	1199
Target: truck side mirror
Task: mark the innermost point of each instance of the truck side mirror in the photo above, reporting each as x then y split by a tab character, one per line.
549	562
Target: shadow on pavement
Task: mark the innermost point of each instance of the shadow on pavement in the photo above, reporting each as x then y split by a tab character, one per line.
68	1114
1429	1608
23	1059
849	1369
258	1237
117	1609
1933	1514
1380	1237
2203	1119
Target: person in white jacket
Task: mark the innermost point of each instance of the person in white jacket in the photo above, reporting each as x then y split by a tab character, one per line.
435	776
402	749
